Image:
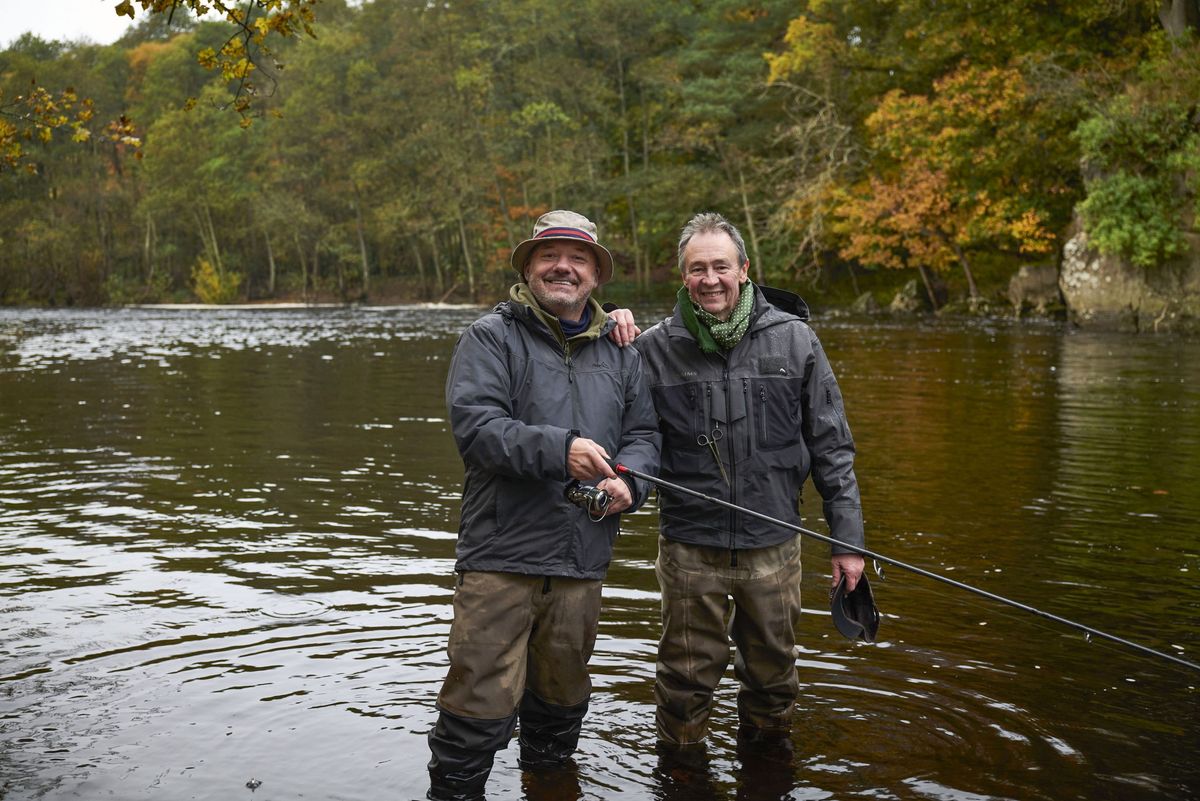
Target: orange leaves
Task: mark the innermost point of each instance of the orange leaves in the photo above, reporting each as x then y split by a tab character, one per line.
952	173
900	223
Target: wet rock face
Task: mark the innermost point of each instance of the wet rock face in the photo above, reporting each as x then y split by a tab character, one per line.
1109	292
913	297
910	299
865	304
1034	290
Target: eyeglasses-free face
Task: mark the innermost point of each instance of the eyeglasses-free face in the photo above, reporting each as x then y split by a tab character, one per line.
712	274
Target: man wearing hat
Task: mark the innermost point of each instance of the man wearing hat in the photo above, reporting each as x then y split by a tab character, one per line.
538	397
749	408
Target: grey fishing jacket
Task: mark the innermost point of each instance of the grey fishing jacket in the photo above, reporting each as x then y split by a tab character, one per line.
773	408
517	395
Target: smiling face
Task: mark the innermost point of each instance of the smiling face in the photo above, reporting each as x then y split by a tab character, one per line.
562	275
712	274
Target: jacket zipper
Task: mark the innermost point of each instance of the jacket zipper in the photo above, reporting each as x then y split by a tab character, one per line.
733	493
762	415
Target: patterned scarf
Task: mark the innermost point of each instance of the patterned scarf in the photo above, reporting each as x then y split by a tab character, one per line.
713	334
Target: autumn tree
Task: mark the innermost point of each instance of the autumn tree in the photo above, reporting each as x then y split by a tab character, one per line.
959	171
950	128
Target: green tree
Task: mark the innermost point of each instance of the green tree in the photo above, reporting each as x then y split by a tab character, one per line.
1141	156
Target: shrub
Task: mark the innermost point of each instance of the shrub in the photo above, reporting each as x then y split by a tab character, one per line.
215	286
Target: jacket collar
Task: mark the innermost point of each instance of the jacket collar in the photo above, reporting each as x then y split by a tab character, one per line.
524	306
771	307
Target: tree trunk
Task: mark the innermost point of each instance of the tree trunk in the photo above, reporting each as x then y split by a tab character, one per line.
1178	17
548	160
758	274
416	249
316	264
462	236
645	137
962	259
303	267
633	228
592	182
362	244
200	228
270	265
148	249
508	229
928	286
437	263
212	232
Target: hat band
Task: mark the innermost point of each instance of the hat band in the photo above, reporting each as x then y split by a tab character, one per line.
573	233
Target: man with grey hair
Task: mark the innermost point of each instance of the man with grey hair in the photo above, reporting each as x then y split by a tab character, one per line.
539	399
749	408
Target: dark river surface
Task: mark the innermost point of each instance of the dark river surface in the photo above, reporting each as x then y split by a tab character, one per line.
227	548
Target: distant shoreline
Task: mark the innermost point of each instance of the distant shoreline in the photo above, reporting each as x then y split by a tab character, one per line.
291	305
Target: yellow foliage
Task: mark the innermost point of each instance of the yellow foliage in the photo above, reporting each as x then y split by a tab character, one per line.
807	43
214	286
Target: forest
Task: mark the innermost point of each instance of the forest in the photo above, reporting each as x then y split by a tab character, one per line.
398	149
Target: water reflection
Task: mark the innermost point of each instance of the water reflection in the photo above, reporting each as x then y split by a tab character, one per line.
226	543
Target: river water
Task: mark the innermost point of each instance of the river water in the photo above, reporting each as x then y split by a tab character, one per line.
227	543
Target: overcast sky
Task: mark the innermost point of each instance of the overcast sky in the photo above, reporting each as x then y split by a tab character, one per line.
72	20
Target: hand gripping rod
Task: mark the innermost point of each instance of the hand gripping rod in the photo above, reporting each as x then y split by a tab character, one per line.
620	468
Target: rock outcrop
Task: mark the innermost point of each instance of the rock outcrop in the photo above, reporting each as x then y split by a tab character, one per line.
910	299
1109	292
865	304
1034	290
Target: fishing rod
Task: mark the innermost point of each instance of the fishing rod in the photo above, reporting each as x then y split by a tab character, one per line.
620	468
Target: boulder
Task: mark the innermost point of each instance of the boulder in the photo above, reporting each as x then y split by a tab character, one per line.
865	304
910	299
1035	289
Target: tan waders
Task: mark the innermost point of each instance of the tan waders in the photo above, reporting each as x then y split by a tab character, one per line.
712	595
519	648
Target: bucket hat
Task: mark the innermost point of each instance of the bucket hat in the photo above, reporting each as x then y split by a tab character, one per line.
569	226
855	613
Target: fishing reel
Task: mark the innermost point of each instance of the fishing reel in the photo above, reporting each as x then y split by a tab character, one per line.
592	499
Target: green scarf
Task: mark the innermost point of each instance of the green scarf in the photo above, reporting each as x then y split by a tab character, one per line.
713	334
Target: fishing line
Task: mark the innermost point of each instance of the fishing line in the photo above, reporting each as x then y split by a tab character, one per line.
1088	630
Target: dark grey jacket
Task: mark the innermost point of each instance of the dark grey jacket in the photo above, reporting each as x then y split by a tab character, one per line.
776	402
516	397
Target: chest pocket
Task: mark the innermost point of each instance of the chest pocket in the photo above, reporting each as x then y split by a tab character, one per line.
598	394
681	418
777	411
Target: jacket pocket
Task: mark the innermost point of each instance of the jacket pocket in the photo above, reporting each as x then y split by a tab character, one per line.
530	519
681	415
773	488
776	403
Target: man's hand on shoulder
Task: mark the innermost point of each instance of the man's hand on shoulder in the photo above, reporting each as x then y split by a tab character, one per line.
626	330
